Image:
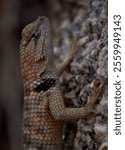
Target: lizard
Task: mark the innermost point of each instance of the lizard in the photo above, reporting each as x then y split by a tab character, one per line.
44	108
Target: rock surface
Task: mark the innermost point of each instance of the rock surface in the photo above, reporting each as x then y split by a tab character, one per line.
86	20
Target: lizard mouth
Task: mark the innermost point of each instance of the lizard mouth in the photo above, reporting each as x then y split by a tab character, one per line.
40	43
40	52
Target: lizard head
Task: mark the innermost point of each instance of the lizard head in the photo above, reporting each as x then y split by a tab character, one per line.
36	49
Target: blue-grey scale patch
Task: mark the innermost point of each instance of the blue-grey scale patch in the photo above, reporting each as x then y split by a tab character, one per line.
45	84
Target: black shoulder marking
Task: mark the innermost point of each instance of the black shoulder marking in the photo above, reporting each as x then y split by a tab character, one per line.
45	84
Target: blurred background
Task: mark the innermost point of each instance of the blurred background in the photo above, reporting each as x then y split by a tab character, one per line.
67	20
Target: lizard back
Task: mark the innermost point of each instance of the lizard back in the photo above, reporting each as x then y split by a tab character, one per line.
40	129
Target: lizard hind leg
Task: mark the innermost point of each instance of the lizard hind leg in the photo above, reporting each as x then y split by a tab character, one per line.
64	65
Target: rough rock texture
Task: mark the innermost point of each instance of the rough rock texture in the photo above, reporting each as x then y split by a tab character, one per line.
86	20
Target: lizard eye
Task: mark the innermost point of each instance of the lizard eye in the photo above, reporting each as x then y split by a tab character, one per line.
34	36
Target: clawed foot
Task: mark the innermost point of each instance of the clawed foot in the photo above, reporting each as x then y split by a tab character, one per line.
94	98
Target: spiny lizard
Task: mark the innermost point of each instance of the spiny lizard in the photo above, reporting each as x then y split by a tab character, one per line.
44	107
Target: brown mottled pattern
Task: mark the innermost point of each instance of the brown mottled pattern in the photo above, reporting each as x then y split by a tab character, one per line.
40	129
44	106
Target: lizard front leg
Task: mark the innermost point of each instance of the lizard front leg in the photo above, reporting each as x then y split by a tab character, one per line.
59	111
56	103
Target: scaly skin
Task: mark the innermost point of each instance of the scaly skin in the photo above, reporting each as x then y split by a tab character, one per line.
44	106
